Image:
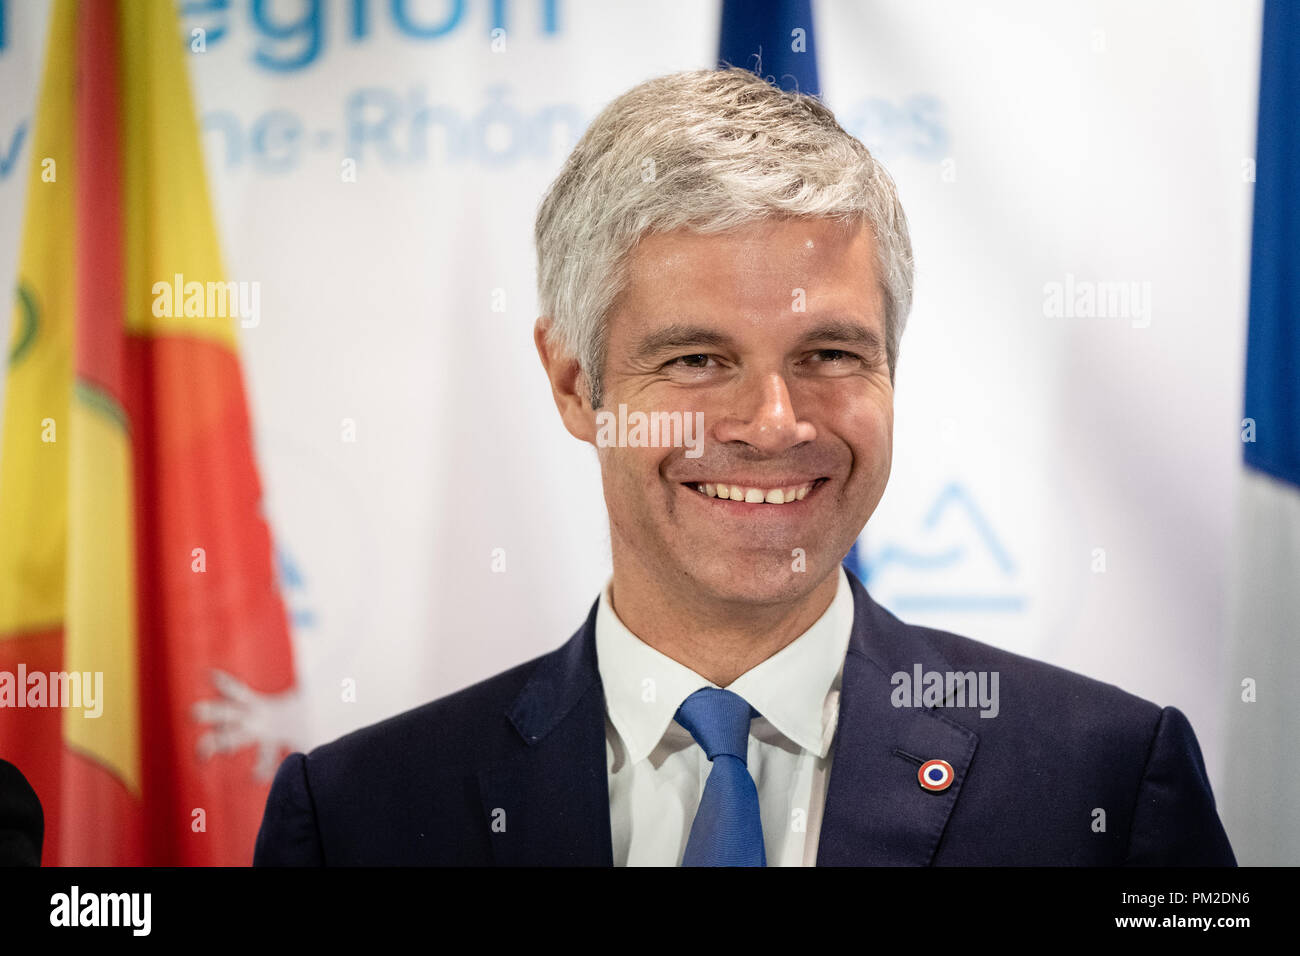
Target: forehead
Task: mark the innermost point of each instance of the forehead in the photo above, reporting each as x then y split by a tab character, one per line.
766	269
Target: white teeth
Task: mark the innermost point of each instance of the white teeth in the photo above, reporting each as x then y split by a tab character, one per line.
771	496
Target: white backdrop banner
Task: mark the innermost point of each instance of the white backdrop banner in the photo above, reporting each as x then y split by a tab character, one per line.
1078	179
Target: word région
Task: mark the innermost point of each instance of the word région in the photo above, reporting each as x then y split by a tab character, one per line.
651	430
84	689
208	300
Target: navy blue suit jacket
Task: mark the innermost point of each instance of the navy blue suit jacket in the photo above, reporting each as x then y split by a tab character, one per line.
511	771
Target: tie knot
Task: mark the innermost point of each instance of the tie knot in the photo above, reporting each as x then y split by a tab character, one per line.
719	721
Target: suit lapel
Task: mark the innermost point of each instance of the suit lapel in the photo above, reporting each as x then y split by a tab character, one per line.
876	811
549	804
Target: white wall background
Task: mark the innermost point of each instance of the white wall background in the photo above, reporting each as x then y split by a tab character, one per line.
1104	140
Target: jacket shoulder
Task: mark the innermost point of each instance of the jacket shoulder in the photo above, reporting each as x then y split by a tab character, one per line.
1048	695
400	791
1101	775
455	732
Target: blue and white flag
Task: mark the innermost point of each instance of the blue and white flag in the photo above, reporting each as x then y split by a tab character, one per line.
1261	800
773	38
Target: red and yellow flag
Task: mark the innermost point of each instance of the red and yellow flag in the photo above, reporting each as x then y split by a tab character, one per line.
132	543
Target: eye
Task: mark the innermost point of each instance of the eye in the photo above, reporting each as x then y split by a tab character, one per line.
836	355
699	360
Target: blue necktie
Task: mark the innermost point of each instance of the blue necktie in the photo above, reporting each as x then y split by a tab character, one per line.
727	830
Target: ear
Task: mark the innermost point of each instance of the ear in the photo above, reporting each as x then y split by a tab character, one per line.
568	384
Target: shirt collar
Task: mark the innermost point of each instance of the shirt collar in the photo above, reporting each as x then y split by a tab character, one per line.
795	689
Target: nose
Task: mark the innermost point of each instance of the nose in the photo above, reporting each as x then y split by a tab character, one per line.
763	417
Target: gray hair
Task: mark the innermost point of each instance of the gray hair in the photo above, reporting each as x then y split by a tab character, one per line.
709	150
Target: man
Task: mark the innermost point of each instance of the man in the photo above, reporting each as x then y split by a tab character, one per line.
717	252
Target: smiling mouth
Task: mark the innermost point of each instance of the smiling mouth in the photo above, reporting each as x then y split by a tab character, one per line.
753	494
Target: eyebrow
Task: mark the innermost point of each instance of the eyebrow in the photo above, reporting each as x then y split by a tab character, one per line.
681	335
842	331
678	335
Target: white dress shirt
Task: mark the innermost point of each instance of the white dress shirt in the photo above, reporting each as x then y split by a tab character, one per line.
656	769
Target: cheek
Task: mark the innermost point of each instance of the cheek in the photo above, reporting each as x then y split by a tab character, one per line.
631	477
872	442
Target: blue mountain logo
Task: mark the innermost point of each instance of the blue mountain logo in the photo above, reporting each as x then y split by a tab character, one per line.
955	562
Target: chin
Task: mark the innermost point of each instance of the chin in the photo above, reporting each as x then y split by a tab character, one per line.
756	582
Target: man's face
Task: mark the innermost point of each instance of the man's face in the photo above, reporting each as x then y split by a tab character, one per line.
775	332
